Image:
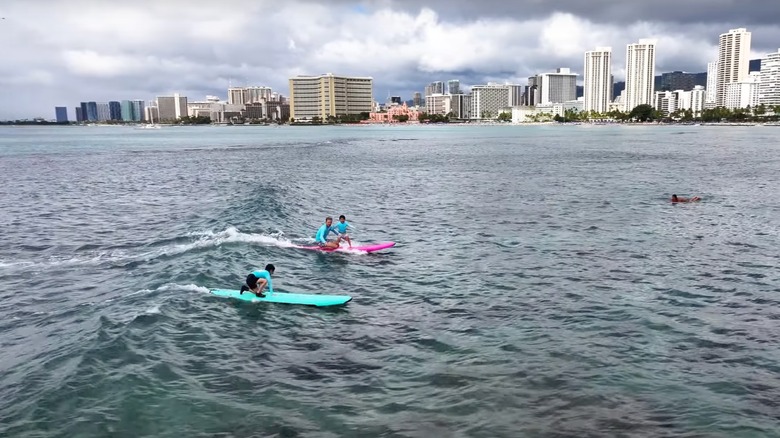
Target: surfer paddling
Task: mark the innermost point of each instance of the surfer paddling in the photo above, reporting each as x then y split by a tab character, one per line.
676	199
256	281
322	234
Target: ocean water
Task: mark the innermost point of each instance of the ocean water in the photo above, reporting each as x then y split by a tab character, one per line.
541	285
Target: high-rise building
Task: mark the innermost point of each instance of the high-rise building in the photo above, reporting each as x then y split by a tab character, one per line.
712	84
103	111
330	95
487	101
597	80
515	94
437	104
677	80
557	87
61	113
79	114
127	113
417	100
171	108
460	106
744	93
640	74
91	111
733	60
453	86
139	114
434	88
115	110
531	94
769	88
246	95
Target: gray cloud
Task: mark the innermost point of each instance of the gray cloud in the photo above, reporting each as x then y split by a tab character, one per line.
64	53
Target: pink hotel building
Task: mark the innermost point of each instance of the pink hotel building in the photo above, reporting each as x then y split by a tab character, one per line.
399	110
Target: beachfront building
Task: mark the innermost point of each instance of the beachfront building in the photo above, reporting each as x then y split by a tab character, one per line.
515	94
151	113
488	101
769	88
560	108
393	113
138	110
733	62
557	87
127	112
79	114
712	85
103	111
330	95
437	104
245	95
460	106
668	102
744	93
597	80
221	112
640	74
171	108
61	113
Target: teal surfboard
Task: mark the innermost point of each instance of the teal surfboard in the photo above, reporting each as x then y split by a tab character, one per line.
285	298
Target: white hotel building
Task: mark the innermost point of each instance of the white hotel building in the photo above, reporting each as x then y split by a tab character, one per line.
597	80
329	95
640	74
488	101
733	61
769	88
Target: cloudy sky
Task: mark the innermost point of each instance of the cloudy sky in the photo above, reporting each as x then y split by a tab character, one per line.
63	52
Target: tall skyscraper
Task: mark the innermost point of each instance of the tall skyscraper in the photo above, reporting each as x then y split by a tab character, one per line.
640	74
712	84
417	100
453	86
103	111
733	60
92	112
79	114
61	114
769	89
115	110
597	80
139	113
127	111
330	95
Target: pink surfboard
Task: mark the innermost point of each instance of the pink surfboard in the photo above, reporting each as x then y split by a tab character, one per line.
345	247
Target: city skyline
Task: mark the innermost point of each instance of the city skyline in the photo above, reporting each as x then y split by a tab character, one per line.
88	51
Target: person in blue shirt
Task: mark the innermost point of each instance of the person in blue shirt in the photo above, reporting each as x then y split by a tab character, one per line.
256	281
341	227
322	235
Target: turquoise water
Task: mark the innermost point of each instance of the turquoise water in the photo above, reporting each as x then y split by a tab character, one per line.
541	286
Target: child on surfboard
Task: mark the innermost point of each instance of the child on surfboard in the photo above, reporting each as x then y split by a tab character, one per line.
256	281
341	226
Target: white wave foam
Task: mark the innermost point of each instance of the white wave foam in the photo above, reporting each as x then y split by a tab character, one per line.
152	310
183	287
230	235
